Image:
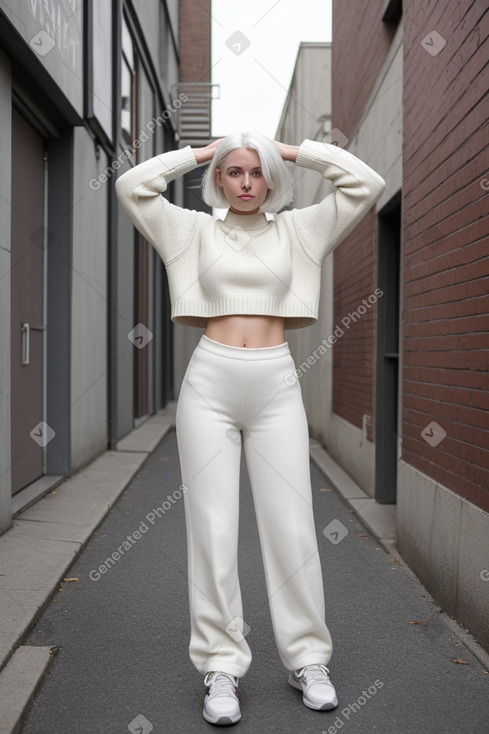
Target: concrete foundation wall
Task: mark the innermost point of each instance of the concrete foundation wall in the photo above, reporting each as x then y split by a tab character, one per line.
445	540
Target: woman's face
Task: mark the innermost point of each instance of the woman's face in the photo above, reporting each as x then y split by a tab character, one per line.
242	181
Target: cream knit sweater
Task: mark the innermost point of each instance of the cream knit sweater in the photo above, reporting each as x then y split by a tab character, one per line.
248	264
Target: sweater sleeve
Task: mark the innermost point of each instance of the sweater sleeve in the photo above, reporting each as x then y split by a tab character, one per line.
321	227
166	226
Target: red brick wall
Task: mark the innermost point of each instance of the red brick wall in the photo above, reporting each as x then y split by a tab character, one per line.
195	44
361	42
353	355
446	252
360	45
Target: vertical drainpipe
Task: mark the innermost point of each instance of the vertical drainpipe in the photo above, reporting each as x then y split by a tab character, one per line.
113	236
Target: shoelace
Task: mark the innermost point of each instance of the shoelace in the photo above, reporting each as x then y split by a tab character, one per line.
220	685
315	674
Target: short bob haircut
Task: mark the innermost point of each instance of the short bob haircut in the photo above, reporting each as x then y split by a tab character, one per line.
273	167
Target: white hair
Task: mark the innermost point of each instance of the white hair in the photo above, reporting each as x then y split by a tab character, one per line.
274	171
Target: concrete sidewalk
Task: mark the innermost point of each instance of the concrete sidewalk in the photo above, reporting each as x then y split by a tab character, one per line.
36	553
115	642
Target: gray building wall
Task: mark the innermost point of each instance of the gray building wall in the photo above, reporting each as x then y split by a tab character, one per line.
89	304
378	142
307	108
307	115
5	197
90	244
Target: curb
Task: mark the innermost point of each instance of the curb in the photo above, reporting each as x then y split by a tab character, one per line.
19	682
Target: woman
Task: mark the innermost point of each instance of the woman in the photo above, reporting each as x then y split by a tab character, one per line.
246	279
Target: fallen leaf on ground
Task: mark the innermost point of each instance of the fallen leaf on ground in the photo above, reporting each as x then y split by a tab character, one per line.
362	535
417	621
72	578
460	661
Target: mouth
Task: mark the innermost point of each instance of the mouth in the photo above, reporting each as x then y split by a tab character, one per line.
246	197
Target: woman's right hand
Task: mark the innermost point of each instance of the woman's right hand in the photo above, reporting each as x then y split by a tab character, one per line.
203	155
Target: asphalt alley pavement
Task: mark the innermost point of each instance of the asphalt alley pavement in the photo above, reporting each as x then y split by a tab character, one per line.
122	635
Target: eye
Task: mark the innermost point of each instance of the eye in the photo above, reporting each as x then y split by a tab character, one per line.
257	174
234	173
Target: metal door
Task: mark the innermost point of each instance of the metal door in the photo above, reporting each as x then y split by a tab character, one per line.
29	433
387	393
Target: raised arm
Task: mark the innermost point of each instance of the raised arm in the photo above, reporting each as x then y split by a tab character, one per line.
321	227
166	226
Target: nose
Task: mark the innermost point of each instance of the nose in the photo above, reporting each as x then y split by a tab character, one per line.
246	182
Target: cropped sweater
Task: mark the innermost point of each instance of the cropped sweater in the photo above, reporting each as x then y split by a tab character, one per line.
246	263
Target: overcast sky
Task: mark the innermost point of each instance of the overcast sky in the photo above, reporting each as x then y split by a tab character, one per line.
254	48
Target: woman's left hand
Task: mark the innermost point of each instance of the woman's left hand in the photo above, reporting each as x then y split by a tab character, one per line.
288	152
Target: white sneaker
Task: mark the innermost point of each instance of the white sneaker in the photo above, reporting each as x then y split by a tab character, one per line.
318	691
221	704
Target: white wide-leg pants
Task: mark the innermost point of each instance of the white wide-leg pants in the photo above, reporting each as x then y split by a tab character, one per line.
233	397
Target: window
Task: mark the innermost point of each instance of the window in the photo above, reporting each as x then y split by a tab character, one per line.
128	84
